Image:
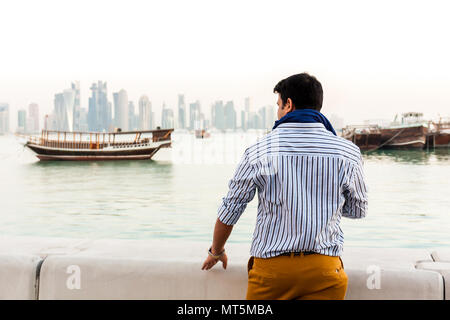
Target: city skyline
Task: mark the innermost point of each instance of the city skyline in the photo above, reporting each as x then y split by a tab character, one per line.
103	115
71	99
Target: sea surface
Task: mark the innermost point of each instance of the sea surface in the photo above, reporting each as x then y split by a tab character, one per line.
177	194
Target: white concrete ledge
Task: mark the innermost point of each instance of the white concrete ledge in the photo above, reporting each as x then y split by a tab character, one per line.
443	268
138	279
146	279
171	269
18	276
394	285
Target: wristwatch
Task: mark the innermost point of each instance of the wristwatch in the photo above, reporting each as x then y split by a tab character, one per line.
215	256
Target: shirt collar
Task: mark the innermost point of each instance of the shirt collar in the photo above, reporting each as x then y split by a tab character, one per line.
302	125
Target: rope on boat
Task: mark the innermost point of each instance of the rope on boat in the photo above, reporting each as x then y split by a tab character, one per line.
383	144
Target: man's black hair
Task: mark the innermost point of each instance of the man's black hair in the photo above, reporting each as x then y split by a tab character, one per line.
304	90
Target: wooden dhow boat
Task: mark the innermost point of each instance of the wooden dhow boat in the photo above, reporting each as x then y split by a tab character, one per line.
410	133
439	137
82	146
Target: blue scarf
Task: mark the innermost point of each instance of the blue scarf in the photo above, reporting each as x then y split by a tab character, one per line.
305	116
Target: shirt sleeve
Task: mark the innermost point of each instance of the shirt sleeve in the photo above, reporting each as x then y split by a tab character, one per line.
242	189
356	201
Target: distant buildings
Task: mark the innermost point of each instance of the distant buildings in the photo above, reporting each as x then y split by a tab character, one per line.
30	123
65	107
181	112
33	118
21	121
4	118
146	116
167	118
224	117
245	114
218	115
133	119
121	110
197	119
100	116
100	110
75	86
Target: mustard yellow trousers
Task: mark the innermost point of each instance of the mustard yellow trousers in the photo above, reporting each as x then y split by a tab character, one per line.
303	277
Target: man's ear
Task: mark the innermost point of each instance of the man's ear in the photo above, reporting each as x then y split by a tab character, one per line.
289	105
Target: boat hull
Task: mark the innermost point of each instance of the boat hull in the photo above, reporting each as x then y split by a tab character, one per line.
47	153
366	141
442	140
406	137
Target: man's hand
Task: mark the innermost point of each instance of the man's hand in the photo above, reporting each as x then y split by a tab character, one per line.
210	262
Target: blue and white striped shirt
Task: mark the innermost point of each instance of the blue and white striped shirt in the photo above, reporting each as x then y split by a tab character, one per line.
307	179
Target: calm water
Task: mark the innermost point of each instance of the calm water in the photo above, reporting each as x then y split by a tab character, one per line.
177	195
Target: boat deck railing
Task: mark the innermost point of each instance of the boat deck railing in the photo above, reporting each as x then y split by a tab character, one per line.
97	140
350	130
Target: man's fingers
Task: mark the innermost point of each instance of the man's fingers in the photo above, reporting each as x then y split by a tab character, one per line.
224	262
208	264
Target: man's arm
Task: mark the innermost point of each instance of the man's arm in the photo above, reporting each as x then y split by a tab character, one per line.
221	234
242	189
356	201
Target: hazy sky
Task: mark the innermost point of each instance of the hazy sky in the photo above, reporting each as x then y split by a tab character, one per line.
374	59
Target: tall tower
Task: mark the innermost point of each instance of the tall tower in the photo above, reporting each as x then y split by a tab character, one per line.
167	118
33	114
194	116
22	121
132	119
77	106
230	116
218	115
121	109
100	113
181	112
145	113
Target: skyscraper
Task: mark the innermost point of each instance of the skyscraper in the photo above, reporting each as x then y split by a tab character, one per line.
270	117
59	112
64	104
230	116
218	115
244	120
33	114
195	116
247	118
77	106
132	117
121	110
100	110
69	105
83	123
181	112
21	121
50	122
145	113
248	105
167	118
